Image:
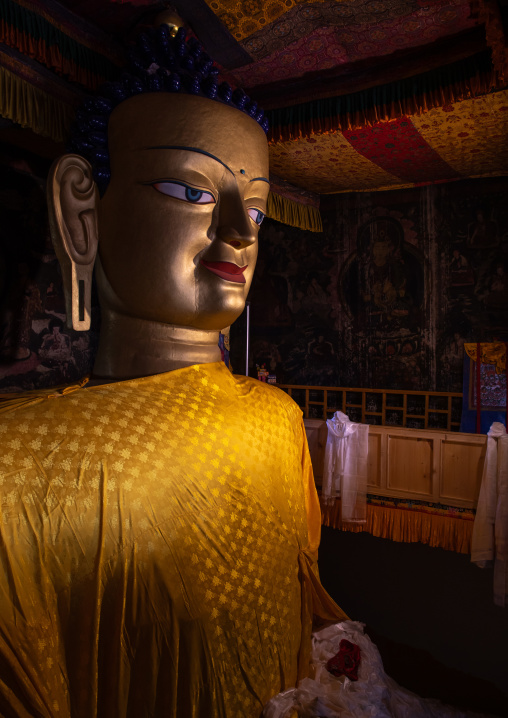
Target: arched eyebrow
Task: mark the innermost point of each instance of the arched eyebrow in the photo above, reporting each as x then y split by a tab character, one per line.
262	179
192	149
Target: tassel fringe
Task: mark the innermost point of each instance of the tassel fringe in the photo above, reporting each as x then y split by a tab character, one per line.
293	213
450	533
30	107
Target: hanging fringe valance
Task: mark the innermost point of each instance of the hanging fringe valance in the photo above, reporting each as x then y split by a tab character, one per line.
457	81
293	213
452	533
491	353
51	38
33	98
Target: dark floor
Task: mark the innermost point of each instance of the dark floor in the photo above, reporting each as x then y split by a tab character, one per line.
429	611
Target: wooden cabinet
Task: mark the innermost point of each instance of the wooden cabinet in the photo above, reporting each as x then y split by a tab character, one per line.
424	464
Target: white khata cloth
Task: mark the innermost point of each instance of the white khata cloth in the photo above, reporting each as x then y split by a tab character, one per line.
374	694
345	466
490	530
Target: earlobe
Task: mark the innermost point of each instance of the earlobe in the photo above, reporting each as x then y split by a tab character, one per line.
72	204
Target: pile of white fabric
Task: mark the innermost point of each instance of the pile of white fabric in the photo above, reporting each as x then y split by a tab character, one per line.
374	695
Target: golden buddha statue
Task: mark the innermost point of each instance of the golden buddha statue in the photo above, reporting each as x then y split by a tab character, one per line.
160	527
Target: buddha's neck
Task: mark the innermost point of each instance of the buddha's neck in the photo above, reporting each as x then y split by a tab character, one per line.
130	347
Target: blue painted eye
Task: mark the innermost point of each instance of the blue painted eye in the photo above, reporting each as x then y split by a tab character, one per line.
184	192
193	195
256	215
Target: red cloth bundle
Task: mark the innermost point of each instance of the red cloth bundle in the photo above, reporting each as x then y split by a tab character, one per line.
346	661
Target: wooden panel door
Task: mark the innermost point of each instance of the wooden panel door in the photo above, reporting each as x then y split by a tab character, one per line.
410	464
462	462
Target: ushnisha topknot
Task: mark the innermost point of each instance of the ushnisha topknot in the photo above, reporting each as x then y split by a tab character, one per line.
158	62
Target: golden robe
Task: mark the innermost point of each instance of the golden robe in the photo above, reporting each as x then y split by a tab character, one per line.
157	540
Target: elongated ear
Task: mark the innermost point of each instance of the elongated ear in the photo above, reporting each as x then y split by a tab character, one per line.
72	204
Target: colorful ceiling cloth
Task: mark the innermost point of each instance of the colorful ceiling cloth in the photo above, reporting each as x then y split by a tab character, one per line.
362	95
439	125
467	139
288	39
262	26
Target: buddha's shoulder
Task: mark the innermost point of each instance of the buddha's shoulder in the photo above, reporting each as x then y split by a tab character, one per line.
269	394
47	406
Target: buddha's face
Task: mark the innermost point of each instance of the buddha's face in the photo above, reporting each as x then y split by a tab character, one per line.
178	224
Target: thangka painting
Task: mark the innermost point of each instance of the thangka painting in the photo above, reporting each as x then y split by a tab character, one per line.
490	375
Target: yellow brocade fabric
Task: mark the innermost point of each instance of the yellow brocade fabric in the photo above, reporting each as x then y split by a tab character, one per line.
158	546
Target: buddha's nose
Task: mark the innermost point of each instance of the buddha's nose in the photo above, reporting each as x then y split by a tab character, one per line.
235	226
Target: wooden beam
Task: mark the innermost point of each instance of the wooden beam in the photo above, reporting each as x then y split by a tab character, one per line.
210	31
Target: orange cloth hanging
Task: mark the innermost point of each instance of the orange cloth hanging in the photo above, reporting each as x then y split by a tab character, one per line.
409	526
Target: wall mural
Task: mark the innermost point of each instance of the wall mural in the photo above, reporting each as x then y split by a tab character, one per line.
381	290
388	294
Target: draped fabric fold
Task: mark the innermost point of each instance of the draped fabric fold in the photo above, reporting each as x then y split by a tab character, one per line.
293	213
11	402
412	96
490	532
316	602
345	467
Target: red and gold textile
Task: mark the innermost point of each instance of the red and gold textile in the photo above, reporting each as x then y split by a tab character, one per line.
245	17
326	163
470	135
265	28
399	149
317	36
440	125
467	139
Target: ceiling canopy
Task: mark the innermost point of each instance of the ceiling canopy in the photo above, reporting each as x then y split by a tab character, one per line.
361	94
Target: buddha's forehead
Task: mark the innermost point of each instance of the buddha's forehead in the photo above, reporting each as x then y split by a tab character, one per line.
159	120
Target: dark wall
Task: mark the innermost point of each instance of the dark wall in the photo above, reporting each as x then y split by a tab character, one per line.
389	293
429	611
37	350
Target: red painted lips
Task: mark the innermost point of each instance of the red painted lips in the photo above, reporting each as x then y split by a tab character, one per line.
226	270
